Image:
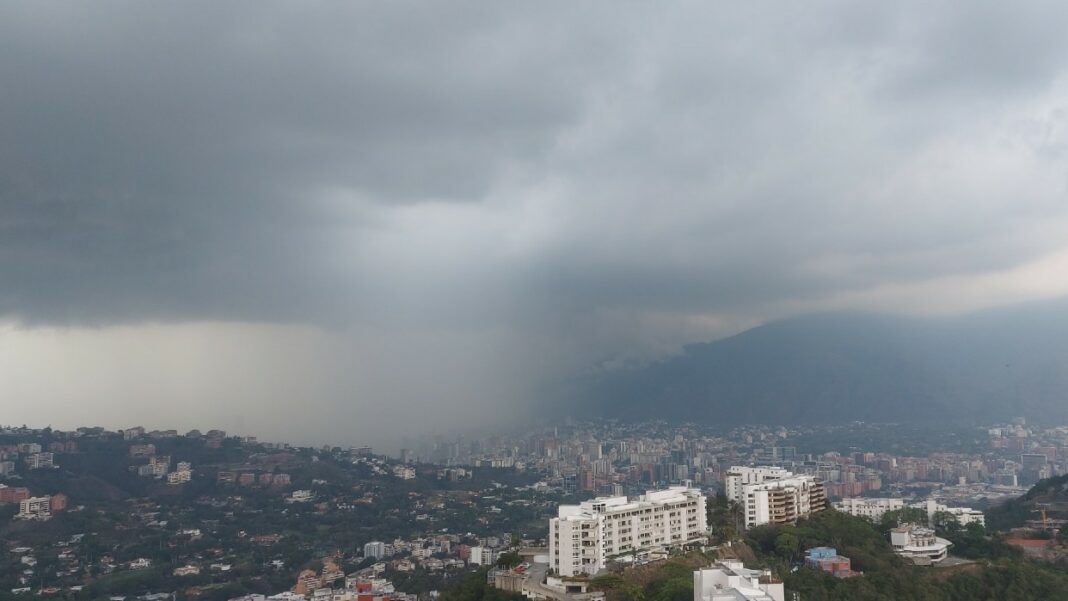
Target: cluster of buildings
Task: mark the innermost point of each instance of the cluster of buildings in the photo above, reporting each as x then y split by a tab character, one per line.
250	478
584	537
33	455
876	508
434	553
356	588
613	458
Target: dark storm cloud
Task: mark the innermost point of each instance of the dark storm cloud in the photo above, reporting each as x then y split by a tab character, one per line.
600	178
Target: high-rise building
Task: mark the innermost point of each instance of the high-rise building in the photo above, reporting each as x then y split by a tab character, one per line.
782	501
739	476
374	549
582	537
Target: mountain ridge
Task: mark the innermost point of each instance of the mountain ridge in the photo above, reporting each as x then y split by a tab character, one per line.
837	367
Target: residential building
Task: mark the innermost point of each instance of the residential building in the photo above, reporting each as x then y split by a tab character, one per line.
730	580
142	450
481	556
782	501
919	544
963	515
300	496
13	494
404	472
36	461
828	560
872	508
583	537
374	549
57	503
35	508
740	476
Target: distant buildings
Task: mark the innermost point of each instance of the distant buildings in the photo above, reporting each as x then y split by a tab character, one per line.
875	508
300	496
828	560
183	473
729	580
35	508
871	508
40	460
13	494
771	495
919	544
374	549
481	556
582	538
963	515
404	472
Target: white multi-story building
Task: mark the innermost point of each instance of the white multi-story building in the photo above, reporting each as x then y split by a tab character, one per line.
376	549
740	476
782	501
36	461
919	544
729	580
583	537
963	515
874	509
35	508
404	472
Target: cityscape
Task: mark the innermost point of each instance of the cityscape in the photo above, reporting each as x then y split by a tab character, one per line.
147	514
533	301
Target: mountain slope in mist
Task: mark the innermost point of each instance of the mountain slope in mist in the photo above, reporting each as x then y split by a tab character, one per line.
842	367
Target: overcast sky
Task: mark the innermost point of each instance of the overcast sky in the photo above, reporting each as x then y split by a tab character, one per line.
344	222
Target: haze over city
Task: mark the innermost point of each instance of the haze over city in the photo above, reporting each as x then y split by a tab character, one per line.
349	223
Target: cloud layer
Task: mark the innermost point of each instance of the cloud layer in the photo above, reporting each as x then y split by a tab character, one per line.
495	196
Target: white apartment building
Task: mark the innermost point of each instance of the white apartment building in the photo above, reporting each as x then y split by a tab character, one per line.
782	501
482	556
583	537
964	515
740	476
35	508
376	549
728	580
36	461
874	508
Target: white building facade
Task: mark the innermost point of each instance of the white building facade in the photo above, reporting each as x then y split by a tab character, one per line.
874	508
782	501
35	508
582	538
963	515
919	544
739	476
